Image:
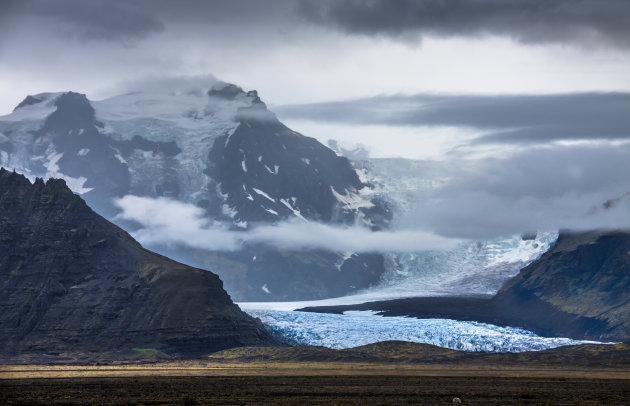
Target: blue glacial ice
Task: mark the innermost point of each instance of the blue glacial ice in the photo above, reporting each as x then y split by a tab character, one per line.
473	268
355	328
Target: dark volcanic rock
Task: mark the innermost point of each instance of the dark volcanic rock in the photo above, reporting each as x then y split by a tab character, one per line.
296	173
73	283
579	289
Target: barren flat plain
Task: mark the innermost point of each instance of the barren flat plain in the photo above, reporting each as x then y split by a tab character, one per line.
392	373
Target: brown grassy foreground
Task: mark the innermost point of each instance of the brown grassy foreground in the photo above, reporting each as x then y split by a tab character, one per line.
378	374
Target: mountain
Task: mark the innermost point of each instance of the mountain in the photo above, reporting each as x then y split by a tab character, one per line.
580	289
582	284
218	148
73	284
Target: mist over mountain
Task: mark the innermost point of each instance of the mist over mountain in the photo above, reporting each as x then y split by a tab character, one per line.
220	150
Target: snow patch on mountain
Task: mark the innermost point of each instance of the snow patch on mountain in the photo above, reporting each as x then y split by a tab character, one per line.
295	211
265	195
352	200
52	171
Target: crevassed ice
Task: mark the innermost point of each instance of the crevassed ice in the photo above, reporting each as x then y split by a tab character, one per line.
478	267
473	268
359	328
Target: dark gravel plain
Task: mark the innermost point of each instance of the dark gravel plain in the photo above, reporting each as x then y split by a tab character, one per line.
315	390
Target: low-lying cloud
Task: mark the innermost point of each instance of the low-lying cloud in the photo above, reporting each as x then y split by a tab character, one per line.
569	187
502	118
169	222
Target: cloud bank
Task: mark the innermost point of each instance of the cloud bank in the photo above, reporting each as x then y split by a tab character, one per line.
581	22
529	21
170	222
503	118
542	188
577	187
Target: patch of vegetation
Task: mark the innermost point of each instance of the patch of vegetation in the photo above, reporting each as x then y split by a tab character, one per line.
149	353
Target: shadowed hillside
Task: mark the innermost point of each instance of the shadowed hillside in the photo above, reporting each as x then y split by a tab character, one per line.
73	285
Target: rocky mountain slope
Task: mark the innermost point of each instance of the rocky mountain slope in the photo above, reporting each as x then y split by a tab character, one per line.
579	289
74	285
218	148
581	285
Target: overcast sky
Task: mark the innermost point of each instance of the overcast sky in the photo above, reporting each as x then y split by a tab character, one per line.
431	79
310	51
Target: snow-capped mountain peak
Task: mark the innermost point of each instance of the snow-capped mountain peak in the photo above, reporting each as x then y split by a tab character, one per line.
210	144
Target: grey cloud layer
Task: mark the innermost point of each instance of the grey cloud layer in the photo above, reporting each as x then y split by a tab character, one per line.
130	21
506	119
92	19
541	188
528	21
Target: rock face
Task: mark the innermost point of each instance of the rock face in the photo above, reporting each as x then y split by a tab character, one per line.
73	283
220	149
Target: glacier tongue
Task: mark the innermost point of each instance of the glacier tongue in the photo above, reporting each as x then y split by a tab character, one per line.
358	328
473	268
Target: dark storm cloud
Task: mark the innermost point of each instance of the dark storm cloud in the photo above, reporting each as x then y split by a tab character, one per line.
91	19
527	21
129	21
505	119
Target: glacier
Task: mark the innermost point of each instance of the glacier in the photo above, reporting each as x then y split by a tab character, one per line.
356	328
473	268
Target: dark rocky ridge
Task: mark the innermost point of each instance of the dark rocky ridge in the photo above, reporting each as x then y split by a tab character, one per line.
266	155
578	289
73	284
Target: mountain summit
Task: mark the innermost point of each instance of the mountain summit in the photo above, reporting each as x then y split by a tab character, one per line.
218	148
74	285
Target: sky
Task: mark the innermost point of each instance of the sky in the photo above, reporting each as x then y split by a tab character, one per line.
522	105
296	51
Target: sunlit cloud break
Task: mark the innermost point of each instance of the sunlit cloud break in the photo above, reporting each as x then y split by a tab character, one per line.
170	222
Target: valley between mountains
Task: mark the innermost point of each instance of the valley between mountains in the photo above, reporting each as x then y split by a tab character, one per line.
179	168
